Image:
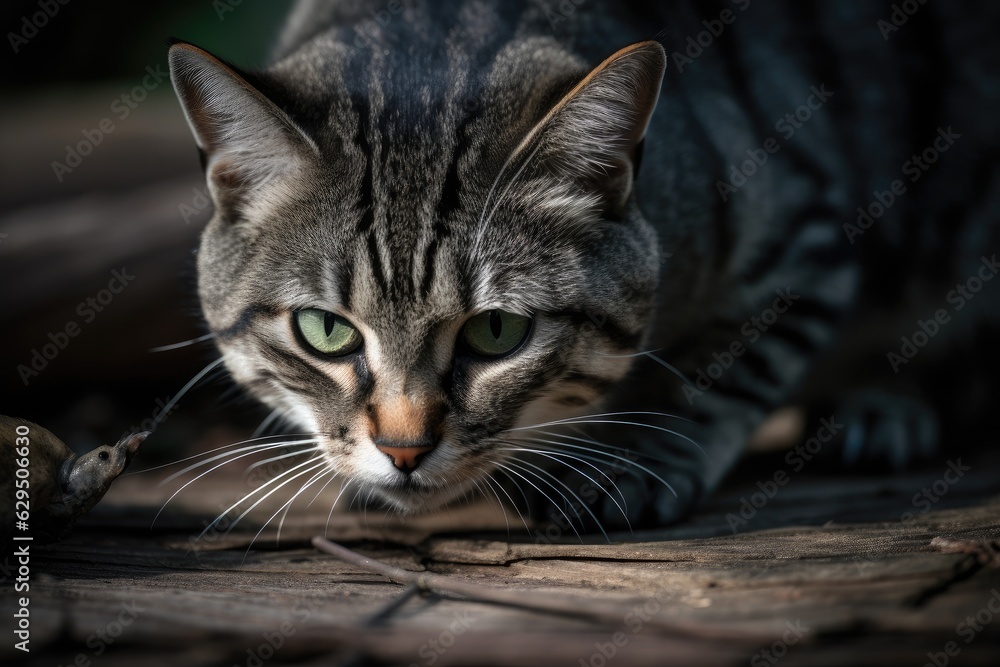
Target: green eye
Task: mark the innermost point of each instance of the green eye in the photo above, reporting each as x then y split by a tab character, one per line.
495	332
326	332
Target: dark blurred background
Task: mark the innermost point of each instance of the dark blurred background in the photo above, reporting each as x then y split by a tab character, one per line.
90	77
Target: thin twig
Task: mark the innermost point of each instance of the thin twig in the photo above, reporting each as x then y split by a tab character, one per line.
353	657
392	606
594	609
438	583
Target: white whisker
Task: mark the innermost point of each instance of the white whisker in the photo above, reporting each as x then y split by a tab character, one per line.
174	346
350	503
285	507
263	497
558	481
216	467
323	488
484	219
279	457
498	508
190	383
623	459
364	506
599	471
630	355
554	456
268	420
219	449
592	441
669	367
507	188
572	420
507	470
640	424
250	449
494	485
326	530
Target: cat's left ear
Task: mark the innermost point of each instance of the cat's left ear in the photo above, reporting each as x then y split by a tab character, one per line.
593	135
252	149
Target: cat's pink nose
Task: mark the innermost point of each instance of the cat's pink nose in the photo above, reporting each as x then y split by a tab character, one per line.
404	458
405	429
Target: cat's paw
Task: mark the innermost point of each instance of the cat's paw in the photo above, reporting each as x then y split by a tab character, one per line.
885	430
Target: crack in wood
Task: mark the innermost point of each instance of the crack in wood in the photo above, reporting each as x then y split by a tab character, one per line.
964	569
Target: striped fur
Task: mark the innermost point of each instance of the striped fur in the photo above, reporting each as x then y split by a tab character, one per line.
467	155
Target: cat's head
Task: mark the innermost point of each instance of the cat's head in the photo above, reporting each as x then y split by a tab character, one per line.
413	263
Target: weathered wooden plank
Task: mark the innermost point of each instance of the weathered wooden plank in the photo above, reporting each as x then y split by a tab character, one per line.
695	594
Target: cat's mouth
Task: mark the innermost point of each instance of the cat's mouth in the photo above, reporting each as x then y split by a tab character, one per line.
415	496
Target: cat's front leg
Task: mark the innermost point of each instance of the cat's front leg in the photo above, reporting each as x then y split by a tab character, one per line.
725	374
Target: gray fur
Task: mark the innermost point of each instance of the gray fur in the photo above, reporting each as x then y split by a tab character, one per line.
412	178
362	218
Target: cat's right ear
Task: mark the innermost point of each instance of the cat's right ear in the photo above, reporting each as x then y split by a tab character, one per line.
252	150
593	136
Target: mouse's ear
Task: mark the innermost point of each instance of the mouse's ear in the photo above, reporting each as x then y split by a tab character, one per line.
252	148
131	443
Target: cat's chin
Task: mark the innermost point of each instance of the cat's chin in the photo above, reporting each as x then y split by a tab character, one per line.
413	498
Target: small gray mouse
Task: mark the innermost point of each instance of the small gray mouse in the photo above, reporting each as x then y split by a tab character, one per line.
60	486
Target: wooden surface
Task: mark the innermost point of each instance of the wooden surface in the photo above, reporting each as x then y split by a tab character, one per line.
828	556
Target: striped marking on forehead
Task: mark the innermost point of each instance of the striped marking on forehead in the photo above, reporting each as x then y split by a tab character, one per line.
427	137
410	190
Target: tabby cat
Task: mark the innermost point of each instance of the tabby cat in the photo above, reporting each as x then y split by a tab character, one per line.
570	243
